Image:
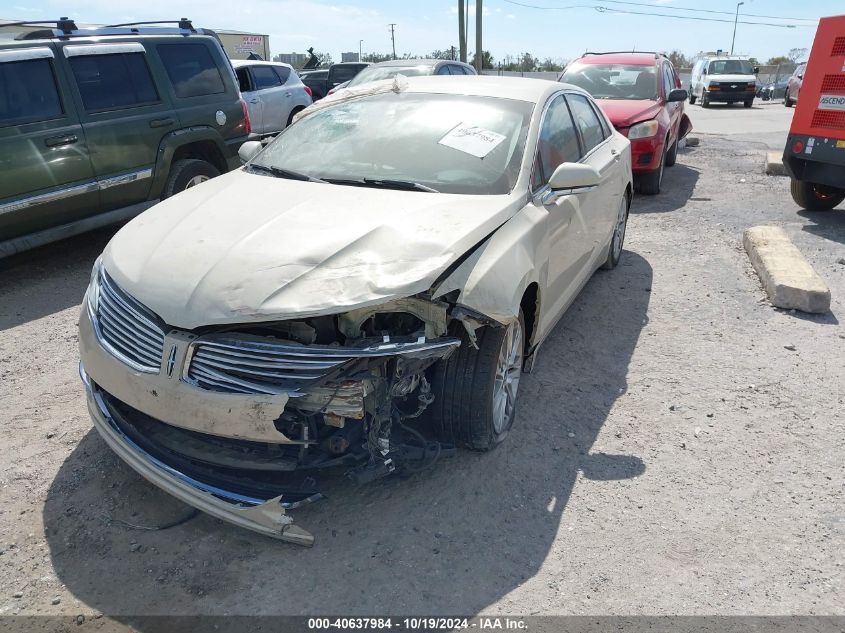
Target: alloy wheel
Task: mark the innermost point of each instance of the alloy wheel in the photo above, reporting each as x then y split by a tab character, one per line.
508	371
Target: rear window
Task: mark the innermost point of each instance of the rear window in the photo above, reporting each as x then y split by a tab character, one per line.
112	82
343	73
191	69
28	92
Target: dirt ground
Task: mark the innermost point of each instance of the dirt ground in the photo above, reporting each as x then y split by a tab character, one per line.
678	448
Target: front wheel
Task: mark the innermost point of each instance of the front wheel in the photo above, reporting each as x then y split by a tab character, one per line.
705	100
786	100
672	155
813	197
475	389
748	104
188	173
691	97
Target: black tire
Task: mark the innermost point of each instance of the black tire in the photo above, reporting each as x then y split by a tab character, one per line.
649	183
293	113
813	197
705	100
184	171
691	96
613	256
786	100
672	155
463	388
748	104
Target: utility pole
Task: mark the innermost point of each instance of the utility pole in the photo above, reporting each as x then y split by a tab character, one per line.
479	51
360	44
462	34
393	38
736	19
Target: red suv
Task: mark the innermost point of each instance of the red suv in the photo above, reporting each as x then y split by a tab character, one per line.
642	96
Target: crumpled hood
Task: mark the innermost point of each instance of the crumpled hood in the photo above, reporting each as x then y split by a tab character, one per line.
624	113
245	247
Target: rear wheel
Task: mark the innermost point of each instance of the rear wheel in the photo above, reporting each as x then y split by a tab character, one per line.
618	239
187	173
786	99
475	389
813	197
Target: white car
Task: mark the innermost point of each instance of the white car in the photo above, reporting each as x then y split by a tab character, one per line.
273	93
363	294
723	80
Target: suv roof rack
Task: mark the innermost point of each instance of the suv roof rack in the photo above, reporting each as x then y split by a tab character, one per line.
656	55
66	28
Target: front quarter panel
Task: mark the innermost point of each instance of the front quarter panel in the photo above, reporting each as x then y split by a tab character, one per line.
493	279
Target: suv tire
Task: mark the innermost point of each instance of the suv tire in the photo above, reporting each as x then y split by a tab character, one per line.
786	100
691	96
469	384
187	173
813	197
672	155
748	104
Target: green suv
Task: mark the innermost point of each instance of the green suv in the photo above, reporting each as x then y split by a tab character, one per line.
97	125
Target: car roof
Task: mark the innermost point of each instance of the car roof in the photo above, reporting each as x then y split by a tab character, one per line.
237	63
518	88
639	59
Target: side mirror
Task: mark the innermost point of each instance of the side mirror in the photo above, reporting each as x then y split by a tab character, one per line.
678	94
248	151
703	71
570	178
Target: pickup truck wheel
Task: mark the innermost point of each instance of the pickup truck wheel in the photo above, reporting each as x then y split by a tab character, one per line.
475	389
813	197
187	173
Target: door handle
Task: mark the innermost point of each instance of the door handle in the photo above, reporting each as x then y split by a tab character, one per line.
287	94
253	100
57	141
162	122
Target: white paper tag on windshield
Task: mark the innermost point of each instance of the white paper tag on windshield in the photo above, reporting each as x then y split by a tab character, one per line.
472	139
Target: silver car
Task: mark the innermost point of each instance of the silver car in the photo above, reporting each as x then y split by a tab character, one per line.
409	68
273	92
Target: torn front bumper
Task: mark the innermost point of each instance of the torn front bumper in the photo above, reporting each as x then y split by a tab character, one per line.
266	516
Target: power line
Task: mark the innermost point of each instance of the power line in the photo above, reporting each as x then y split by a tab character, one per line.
604	9
673	8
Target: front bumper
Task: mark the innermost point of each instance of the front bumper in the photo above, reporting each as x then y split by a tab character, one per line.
719	96
264	516
646	154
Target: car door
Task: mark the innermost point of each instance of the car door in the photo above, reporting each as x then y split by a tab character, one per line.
271	94
601	153
251	97
568	219
124	115
47	179
673	108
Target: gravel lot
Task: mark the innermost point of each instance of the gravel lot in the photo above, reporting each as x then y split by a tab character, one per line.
678	449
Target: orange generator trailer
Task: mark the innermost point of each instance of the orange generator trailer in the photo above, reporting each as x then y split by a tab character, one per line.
814	156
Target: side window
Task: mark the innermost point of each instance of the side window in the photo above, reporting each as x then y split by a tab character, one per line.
557	143
444	70
282	72
668	80
244	80
191	69
264	77
605	126
28	92
586	120
112	82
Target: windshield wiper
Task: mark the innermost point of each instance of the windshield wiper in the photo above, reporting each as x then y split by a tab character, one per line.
397	184
278	172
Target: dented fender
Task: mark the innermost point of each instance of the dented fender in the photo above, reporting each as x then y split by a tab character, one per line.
494	278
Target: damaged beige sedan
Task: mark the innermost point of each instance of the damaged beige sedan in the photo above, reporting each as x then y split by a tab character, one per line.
362	295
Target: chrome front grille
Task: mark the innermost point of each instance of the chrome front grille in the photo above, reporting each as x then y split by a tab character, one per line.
245	364
126	328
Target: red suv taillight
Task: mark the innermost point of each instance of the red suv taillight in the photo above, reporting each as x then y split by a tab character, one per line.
247	124
308	91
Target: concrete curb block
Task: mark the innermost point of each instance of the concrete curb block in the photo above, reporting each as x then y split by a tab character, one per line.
774	164
692	141
788	278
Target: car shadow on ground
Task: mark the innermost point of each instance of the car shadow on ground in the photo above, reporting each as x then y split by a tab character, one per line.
829	225
451	540
48	279
678	184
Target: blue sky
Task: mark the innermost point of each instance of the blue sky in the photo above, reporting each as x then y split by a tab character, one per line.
509	28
